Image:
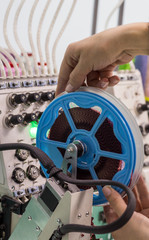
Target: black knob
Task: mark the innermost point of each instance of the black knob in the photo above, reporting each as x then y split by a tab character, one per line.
18	175
47	96
32	172
38	114
29	117
141	129
146	149
142	107
32	97
147	128
12	120
16	99
22	154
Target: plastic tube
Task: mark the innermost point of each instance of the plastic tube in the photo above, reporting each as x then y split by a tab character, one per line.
10	74
30	37
3	73
112	12
39	35
21	64
29	68
12	60
49	67
60	35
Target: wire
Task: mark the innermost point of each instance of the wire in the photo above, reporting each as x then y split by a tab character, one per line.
60	35
112	12
21	64
3	73
39	35
106	228
30	37
10	74
8	55
48	164
30	72
42	156
49	68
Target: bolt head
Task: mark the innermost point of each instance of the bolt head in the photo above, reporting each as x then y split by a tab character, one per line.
87	214
70	149
37	228
79	215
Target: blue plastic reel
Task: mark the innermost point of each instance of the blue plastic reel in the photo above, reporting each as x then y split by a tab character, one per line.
86	98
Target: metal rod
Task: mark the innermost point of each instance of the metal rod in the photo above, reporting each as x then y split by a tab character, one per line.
95	16
121	14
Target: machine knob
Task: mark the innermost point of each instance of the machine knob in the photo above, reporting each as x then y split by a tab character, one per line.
32	172
144	128
47	96
18	175
29	117
16	99
32	97
22	154
141	129
146	149
147	128
142	107
12	120
38	114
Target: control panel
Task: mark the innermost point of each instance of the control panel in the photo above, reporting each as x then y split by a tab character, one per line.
22	102
130	92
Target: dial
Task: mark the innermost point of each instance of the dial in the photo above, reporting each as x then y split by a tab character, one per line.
32	172
18	175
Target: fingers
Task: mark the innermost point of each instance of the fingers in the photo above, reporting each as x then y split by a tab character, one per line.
115	200
110	215
63	78
77	77
138	202
94	79
113	80
143	193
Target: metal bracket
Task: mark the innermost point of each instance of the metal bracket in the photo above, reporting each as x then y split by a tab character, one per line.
70	158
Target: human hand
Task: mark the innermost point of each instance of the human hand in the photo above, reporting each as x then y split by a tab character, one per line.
142	197
94	59
137	228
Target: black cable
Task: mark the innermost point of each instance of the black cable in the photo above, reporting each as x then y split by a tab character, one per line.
106	228
53	170
42	156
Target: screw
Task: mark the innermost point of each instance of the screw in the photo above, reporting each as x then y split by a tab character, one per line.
58	182
13	187
37	228
79	215
70	149
29	218
58	221
87	214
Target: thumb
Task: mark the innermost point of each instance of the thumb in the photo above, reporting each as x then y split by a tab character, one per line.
77	77
115	200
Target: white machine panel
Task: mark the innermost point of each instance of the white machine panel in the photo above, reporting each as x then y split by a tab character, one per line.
20	173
